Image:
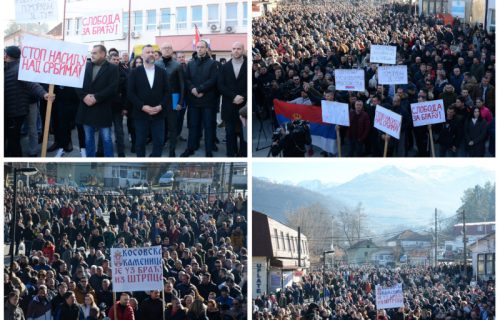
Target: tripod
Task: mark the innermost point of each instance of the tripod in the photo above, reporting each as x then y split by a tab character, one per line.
261	131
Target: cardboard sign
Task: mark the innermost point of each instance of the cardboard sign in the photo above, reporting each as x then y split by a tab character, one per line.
427	112
335	112
392	75
52	61
387	121
350	79
382	54
391	297
102	26
137	269
30	11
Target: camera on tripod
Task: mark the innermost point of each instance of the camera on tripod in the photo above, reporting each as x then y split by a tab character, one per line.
291	139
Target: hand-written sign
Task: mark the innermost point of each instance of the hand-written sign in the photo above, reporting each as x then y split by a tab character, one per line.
382	54
52	61
335	112
391	297
102	26
387	121
427	112
29	11
137	269
350	79
392	75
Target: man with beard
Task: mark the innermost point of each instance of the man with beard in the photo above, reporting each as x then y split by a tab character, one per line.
123	309
40	307
148	91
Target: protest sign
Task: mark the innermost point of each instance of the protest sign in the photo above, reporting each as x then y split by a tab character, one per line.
350	79
137	269
391	297
387	121
392	75
335	112
382	54
102	26
52	61
33	11
427	112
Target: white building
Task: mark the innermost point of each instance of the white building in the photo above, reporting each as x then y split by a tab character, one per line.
220	22
483	257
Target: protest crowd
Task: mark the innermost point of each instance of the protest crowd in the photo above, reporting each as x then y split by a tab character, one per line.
153	92
298	48
441	293
65	272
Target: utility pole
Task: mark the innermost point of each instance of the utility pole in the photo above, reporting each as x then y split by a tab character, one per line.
230	182
435	237
465	242
298	248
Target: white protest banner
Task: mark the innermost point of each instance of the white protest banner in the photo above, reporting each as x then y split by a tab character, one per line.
392	75
30	11
382	54
391	297
335	112
52	61
102	26
387	121
350	79
137	269
427	112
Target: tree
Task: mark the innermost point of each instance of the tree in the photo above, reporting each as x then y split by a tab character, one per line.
479	203
36	28
352	222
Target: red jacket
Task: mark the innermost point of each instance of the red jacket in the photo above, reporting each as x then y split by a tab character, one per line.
66	212
122	314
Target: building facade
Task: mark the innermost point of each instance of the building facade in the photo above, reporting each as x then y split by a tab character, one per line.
483	257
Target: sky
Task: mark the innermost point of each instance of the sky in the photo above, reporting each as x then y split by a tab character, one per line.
343	170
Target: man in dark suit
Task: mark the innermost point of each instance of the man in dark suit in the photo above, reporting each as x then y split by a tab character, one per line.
100	85
148	91
232	83
201	82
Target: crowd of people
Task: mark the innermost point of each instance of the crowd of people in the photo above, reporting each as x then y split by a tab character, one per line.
297	48
65	271
153	92
430	293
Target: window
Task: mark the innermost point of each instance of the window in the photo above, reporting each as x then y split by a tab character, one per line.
196	14
231	14
68	26
493	227
137	20
165	18
293	244
181	16
213	14
245	13
125	22
151	20
282	240
77	25
289	243
490	263
479	228
276	238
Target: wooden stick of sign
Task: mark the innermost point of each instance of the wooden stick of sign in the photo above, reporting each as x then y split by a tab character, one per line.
339	142
433	152
163	297
114	306
47	122
386	144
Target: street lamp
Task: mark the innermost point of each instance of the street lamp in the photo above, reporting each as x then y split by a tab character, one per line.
26	172
324	274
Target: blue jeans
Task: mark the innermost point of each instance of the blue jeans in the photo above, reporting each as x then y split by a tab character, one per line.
105	134
142	127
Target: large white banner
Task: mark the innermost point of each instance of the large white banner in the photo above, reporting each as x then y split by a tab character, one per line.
350	79
387	121
335	112
392	75
137	269
427	112
391	297
52	61
107	25
33	11
382	54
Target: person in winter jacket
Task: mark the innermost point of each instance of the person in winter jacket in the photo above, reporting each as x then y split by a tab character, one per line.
40	307
12	311
123	309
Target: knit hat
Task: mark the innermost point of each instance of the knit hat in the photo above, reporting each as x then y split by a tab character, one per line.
13	52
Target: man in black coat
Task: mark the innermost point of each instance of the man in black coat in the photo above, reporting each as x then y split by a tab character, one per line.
232	83
16	101
177	88
201	82
100	86
148	91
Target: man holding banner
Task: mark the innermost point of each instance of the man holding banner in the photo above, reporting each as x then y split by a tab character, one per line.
16	101
100	85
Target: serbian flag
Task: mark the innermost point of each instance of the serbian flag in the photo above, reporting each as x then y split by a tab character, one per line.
196	36
323	135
